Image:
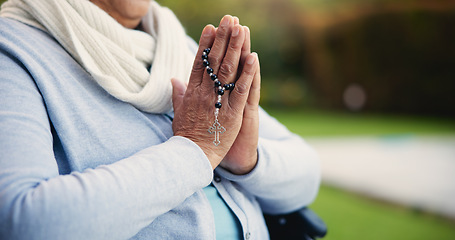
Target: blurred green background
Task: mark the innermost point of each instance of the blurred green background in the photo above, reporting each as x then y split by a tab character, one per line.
352	68
372	55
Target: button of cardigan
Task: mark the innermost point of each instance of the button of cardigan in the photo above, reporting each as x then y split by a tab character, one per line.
247	235
217	178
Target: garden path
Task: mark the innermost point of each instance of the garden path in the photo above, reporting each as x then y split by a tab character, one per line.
417	171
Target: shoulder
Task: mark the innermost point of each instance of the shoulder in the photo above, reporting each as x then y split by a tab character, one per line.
6	25
12	30
30	48
18	38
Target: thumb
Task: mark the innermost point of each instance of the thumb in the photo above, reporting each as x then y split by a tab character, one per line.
178	91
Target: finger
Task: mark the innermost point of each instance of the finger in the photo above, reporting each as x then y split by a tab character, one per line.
223	33
239	96
206	41
254	96
236	20
229	66
246	48
178	91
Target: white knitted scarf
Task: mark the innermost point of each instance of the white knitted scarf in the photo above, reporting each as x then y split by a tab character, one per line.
115	56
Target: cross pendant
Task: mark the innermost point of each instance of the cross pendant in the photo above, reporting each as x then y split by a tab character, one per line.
216	129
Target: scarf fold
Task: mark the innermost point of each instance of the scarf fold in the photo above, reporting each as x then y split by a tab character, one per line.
115	56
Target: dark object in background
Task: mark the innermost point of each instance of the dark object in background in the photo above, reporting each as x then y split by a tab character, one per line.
303	224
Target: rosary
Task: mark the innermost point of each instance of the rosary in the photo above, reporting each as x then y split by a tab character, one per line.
216	127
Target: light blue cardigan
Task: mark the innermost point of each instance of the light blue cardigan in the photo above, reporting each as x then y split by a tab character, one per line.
76	163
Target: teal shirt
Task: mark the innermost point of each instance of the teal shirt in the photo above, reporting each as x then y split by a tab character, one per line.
227	226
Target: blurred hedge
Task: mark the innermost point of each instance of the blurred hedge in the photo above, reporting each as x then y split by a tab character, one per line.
402	54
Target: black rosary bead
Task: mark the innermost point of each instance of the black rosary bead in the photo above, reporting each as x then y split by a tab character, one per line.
219	89
229	86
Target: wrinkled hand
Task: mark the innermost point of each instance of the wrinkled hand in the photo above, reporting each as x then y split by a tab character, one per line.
243	156
194	107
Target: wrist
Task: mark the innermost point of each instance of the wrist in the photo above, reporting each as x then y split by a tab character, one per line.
213	157
241	169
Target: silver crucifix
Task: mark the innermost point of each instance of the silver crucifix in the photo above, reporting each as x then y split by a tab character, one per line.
216	129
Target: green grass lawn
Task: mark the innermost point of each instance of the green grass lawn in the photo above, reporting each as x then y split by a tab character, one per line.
323	123
350	216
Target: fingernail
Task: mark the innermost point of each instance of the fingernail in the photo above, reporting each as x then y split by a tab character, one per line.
208	31
251	58
225	21
247	29
235	31
236	19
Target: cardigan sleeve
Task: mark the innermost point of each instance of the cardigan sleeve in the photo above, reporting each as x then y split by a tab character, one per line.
287	175
112	201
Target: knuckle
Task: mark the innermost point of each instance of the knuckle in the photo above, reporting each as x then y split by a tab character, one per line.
214	60
226	69
251	107
256	87
241	88
235	45
248	72
197	67
222	32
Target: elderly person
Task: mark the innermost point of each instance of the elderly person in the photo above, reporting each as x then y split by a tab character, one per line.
111	128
